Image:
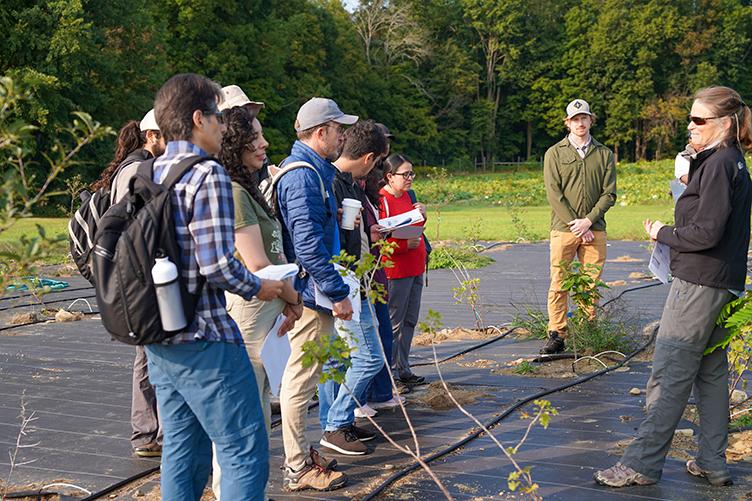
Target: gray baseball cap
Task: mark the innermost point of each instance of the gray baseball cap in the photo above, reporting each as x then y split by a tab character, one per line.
578	106
319	110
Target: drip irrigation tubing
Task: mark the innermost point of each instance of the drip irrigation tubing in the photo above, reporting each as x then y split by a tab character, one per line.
44	303
632	289
53	291
471	348
122	483
460	443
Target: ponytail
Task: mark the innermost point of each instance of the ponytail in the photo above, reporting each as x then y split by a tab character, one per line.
130	138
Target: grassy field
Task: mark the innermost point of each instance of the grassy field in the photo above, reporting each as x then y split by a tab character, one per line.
502	206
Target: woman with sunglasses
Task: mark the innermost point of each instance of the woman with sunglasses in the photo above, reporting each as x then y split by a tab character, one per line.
406	274
709	245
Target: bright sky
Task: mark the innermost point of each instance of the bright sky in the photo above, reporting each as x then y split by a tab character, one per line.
350	5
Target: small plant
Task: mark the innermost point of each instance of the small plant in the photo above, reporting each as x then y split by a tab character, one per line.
519	478
27	419
467	292
525	368
579	282
533	321
517	216
446	256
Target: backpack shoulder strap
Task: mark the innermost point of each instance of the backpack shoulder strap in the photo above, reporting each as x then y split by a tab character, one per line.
412	196
145	168
300	165
178	171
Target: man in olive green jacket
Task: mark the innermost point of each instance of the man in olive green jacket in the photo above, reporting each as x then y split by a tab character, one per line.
580	178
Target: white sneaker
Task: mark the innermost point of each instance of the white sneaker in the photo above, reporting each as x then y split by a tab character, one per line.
389	404
365	411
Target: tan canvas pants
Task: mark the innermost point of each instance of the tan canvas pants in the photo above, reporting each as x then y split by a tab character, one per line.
565	246
299	385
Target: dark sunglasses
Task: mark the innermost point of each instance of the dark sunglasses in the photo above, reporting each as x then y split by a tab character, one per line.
407	175
699	120
217	114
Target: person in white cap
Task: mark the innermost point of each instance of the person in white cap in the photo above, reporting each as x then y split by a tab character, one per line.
137	141
311	237
580	178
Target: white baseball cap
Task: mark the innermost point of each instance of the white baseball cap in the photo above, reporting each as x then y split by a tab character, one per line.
149	122
577	107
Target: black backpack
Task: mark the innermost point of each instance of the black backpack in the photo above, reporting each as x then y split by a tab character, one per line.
129	237
83	225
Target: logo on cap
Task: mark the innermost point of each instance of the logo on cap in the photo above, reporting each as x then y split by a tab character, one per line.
577	105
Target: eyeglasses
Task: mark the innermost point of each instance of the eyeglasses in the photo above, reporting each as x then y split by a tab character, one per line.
699	120
217	114
407	175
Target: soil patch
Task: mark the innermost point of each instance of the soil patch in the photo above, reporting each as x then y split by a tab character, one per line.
24	318
554	369
682	448
625	259
36	487
740	446
460	333
481	363
616	283
637	275
435	396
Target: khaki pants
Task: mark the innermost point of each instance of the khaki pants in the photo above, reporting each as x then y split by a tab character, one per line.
299	385
564	247
255	319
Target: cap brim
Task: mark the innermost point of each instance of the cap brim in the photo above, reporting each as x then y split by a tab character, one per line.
346	119
579	113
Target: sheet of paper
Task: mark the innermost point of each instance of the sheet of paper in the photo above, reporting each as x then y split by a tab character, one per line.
351	281
274	355
277	271
407	232
677	188
400	220
660	262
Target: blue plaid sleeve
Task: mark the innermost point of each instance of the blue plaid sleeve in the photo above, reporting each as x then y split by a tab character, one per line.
212	230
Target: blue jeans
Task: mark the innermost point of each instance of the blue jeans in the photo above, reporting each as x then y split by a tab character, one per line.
381	386
206	392
336	405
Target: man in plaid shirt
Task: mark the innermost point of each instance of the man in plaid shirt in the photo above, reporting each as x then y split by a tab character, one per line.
203	378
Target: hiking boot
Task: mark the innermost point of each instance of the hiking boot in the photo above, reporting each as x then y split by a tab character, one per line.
620	475
392	403
714	478
318	459
553	345
312	476
362	434
150	450
344	441
402	388
365	411
413	380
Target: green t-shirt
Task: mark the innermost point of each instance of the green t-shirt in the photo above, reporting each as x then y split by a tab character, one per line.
249	212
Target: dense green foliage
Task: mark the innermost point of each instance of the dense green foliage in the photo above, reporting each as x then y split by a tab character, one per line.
461	82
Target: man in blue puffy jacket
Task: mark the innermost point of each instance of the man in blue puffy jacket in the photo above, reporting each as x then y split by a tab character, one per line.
311	236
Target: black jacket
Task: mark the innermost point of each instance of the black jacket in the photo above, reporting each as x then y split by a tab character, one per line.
346	187
710	239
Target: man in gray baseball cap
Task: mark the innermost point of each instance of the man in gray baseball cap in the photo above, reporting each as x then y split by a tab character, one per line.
307	209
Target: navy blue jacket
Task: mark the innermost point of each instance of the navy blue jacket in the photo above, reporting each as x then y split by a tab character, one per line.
310	232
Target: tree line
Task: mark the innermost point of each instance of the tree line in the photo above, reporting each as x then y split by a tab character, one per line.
462	83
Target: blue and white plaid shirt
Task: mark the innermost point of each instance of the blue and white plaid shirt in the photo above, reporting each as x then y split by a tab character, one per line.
204	227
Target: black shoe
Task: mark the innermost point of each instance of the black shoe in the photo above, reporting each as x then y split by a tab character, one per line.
413	380
402	388
343	441
362	434
553	345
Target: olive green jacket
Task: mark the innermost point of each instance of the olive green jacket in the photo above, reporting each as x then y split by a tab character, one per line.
577	187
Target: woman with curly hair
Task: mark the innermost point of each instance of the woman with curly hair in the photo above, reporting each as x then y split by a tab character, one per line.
258	239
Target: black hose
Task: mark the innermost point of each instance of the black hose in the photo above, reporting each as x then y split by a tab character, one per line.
468	350
632	289
453	447
122	483
45	303
53	291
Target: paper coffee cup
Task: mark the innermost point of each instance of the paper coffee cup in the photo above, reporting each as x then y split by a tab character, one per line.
350	210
